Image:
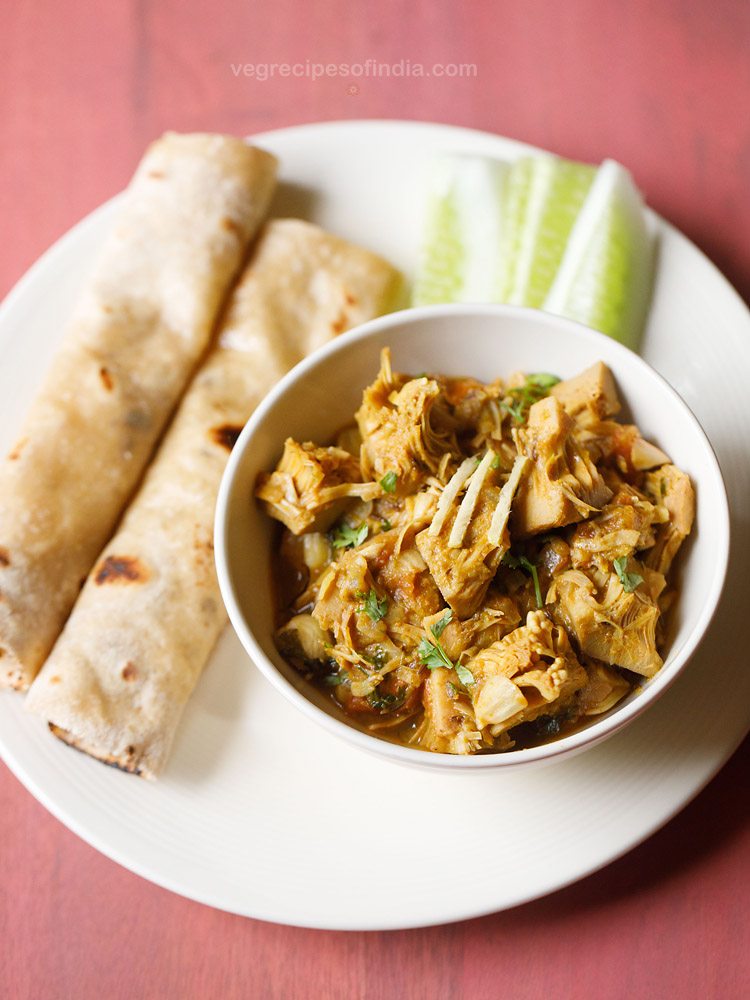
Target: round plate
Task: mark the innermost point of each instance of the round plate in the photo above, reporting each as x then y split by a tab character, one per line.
263	813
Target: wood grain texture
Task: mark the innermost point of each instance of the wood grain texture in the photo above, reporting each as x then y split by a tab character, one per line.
663	87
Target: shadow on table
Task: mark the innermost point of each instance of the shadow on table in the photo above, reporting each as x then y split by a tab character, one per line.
716	817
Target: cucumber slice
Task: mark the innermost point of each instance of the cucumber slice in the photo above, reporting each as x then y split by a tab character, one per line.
459	261
544	196
543	232
604	278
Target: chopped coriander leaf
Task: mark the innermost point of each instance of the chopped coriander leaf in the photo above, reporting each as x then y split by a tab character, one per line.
629	581
386	702
531	568
438	627
452	689
521	562
433	655
385	524
464	675
377	656
388	482
333	680
521	397
542	379
376	609
514	409
495	463
344	536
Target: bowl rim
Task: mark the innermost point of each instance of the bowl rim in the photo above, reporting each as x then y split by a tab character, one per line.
581	739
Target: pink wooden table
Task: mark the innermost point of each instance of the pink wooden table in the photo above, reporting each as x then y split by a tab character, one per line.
662	85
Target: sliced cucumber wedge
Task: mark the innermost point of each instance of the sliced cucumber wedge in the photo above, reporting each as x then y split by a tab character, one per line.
460	256
604	279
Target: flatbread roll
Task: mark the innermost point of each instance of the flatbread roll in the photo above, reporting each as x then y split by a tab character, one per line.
150	612
141	325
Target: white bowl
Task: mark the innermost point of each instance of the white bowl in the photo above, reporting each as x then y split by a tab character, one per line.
322	393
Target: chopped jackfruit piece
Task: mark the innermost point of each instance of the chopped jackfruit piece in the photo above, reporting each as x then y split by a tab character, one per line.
518	678
405	577
466	541
448	725
624	526
464	574
672	488
341	595
562	485
609	622
603	689
592	394
497	616
310	486
618	444
406	428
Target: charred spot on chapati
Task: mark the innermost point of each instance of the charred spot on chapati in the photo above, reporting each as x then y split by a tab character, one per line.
129	671
15	454
122	763
339	324
118	569
106	377
4	557
230	225
226	435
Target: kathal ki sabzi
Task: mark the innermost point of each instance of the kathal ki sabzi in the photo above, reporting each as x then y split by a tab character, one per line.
473	567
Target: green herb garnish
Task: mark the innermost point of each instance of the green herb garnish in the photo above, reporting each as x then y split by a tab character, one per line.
432	654
376	609
521	562
377	657
388	482
629	581
344	536
542	380
464	675
521	397
386	702
385	524
333	680
495	463
438	627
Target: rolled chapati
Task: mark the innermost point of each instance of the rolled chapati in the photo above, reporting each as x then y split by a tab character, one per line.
141	326
142	630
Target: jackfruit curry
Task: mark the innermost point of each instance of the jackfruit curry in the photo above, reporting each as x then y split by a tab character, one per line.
475	567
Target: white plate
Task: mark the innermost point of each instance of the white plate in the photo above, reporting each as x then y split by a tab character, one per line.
263	813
